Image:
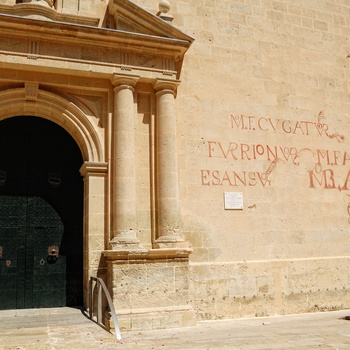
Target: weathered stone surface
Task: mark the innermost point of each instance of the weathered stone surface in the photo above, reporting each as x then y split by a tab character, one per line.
257	105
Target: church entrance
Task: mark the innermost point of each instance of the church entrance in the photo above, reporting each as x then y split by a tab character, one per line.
41	215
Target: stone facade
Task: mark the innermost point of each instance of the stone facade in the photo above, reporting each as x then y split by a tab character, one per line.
214	138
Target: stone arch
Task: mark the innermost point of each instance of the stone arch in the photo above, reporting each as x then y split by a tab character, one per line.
76	119
47	105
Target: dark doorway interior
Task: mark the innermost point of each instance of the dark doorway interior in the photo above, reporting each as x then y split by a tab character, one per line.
41	215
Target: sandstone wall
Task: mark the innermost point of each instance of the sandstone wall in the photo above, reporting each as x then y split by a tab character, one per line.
263	111
263	117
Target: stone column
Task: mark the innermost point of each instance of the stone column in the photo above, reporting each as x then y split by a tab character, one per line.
124	207
167	190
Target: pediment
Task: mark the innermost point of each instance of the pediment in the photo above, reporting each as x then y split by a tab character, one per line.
126	37
130	17
123	15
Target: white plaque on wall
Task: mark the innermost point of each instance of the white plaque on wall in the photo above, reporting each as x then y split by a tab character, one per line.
233	200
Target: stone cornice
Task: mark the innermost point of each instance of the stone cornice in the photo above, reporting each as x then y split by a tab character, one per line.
81	49
38	36
89	36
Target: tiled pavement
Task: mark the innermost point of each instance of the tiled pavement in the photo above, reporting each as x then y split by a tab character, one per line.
69	328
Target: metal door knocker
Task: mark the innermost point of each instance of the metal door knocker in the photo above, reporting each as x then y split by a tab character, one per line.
53	252
54	180
42	262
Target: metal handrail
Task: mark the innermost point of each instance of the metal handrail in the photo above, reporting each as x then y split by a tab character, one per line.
102	286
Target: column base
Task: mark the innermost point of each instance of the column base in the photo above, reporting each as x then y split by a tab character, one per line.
125	240
171	241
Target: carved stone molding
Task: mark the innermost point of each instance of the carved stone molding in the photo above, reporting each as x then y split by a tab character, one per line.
94	168
31	91
147	254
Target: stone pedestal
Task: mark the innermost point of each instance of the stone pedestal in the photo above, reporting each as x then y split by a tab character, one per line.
150	288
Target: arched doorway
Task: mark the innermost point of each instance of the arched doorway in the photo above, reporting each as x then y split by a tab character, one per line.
41	214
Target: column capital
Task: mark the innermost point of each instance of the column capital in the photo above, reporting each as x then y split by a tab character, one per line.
127	80
166	85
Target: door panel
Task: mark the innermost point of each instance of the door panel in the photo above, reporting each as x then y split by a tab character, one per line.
12	241
44	229
37	213
8	267
29	278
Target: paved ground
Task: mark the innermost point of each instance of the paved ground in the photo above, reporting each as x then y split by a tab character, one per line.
68	328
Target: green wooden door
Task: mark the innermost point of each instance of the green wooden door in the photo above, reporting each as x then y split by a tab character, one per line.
40	215
30	276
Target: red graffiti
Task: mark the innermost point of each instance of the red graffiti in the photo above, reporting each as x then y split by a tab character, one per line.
233	178
286	126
